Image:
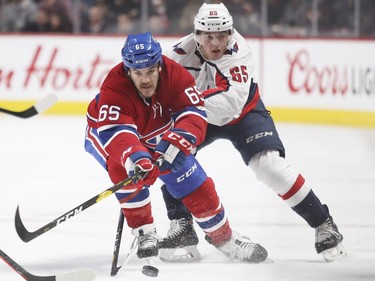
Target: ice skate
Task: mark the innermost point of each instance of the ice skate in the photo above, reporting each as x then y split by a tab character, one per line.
328	241
241	248
180	245
148	244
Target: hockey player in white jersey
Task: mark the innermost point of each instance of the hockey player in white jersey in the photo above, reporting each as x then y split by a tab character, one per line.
222	64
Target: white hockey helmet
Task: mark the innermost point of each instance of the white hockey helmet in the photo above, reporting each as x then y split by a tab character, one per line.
213	18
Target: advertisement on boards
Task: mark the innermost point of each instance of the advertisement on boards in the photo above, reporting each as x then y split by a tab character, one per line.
322	78
329	74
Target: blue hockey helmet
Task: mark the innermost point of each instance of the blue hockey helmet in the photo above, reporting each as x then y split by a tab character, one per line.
141	51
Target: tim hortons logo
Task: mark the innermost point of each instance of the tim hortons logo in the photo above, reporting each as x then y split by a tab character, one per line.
46	69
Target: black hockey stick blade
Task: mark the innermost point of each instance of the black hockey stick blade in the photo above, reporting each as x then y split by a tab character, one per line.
37	108
120	226
79	275
133	248
27	236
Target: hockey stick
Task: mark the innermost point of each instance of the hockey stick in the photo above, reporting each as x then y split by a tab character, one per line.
27	236
116	251
133	247
79	275
37	108
148	269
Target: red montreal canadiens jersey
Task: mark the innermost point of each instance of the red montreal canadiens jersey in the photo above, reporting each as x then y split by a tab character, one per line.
124	119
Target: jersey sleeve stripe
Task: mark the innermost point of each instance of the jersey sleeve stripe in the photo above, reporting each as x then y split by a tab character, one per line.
111	132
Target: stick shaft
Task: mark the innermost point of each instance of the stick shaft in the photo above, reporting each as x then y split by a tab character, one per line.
27	236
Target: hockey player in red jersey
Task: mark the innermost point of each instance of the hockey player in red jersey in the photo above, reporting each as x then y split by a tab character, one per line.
149	109
221	63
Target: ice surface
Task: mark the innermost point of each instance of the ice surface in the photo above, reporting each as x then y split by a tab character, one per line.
44	169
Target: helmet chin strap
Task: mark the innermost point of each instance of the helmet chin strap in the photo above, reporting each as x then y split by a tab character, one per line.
199	46
200	51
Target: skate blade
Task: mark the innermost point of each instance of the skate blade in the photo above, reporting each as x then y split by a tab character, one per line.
180	255
335	253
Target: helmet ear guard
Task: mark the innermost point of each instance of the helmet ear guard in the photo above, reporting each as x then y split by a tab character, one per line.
141	51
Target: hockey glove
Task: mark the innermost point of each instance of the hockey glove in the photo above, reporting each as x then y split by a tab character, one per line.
174	146
138	161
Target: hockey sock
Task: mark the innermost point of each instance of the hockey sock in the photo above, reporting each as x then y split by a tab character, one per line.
208	212
220	236
175	208
312	210
136	217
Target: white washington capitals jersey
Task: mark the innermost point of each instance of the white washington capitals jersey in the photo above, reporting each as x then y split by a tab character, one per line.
226	83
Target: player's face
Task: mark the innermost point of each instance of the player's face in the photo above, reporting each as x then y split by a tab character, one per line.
213	44
145	80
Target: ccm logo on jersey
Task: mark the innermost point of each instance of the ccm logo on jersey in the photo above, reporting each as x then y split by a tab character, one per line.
188	173
258	136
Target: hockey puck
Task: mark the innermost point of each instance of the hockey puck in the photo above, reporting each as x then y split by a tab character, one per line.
150	270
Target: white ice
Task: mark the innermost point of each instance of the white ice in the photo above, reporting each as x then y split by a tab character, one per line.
45	170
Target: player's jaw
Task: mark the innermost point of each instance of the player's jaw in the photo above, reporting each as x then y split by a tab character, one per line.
213	52
147	89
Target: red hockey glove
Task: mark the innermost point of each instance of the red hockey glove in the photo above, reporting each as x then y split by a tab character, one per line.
147	172
137	160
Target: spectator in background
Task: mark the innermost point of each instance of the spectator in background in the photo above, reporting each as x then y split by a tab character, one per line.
59	23
96	23
174	13
367	25
337	18
158	22
274	9
40	24
51	16
344	18
83	9
186	21
247	16
128	7
18	13
125	24
126	14
294	18
284	18
62	7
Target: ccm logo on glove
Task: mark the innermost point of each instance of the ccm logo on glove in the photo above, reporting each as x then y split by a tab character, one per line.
179	142
174	148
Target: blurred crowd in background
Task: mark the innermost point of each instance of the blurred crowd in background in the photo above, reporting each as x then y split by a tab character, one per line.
323	18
